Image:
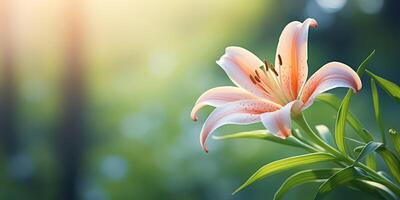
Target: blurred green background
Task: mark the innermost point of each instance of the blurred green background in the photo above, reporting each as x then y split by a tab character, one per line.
96	95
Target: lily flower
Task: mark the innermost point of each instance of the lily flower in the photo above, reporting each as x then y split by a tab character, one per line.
271	93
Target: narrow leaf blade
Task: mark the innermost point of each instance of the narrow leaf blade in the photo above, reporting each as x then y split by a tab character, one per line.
370	160
391	162
302	177
340	178
367	149
390	88
285	164
363	66
396	139
259	134
372	187
340	124
375	100
334	102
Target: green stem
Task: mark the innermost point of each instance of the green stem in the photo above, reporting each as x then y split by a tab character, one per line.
303	140
304	145
379	178
301	121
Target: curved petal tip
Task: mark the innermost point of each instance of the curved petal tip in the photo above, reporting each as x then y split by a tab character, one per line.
203	145
193	114
313	22
205	149
358	84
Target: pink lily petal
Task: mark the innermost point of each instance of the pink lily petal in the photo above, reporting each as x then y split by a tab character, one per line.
291	56
331	75
279	122
239	64
219	96
239	112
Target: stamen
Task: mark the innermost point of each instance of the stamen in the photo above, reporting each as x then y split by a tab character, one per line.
252	80
266	65
257	75
280	59
273	69
257	79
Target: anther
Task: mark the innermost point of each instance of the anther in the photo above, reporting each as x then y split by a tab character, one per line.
273	69
252	79
266	65
257	79
280	59
257	75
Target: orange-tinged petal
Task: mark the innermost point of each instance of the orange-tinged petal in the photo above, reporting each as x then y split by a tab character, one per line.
239	64
279	121
219	96
239	112
331	75
291	56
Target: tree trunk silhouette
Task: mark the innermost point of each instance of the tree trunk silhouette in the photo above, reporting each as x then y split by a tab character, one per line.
8	137
70	141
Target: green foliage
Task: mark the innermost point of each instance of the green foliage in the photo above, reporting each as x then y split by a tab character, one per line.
375	100
392	162
340	178
333	101
260	134
363	66
367	149
341	122
370	160
344	108
391	88
396	139
285	164
376	189
306	176
354	178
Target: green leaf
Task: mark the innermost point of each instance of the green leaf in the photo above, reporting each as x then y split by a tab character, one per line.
367	149
355	177
362	67
390	88
370	160
285	164
259	134
302	177
374	188
396	139
340	178
391	162
340	124
334	102
375	100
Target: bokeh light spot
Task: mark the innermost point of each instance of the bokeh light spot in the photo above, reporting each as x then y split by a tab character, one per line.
21	166
331	6
371	6
114	167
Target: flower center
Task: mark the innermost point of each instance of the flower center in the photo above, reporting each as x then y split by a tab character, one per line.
267	79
